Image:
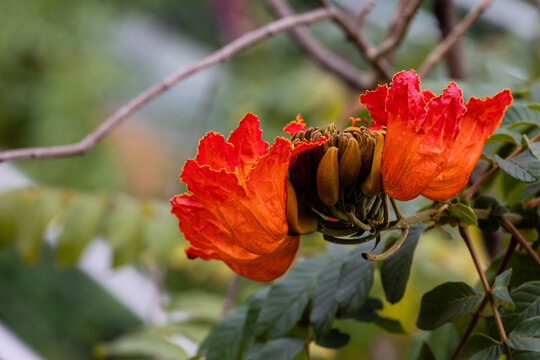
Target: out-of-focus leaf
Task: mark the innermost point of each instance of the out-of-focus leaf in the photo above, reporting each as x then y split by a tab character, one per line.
123	231
463	213
529	190
526	336
288	297
524	355
445	303
37	209
505	135
481	347
368	313
395	270
200	304
81	225
334	339
160	234
514	169
10	203
223	343
527	301
143	344
500	290
391	325
279	349
425	353
520	114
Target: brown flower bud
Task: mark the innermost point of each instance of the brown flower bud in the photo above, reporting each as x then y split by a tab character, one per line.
328	177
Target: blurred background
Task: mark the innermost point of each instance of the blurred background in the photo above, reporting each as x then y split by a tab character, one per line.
91	261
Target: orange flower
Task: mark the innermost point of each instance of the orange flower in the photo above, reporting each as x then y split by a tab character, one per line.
235	211
432	142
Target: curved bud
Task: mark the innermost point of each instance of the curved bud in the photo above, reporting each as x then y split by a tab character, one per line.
372	184
299	222
328	177
350	163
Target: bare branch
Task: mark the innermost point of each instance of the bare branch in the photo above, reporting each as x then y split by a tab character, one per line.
517	235
318	53
458	31
367	49
398	28
445	12
142	99
229	297
366	8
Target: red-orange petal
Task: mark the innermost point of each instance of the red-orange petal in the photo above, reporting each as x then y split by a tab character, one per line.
216	153
375	101
295	125
482	118
418	137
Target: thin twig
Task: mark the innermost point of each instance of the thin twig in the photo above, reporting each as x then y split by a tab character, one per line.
531	204
476	316
320	54
367	49
515	232
364	11
219	56
231	292
467	238
405	12
467	194
435	56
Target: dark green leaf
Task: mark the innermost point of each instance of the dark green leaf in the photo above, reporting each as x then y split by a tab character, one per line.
279	349
505	135
80	227
463	213
534	147
500	290
396	269
445	303
223	343
515	170
425	353
527	301
368	311
526	336
519	114
334	339
288	297
481	347
524	355
391	325
142	344
529	190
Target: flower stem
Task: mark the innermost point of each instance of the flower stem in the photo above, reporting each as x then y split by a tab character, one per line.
395	247
507	224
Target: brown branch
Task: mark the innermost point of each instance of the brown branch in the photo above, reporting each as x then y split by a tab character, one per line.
229	297
515	232
476	316
366	8
142	99
319	54
467	194
531	204
367	49
446	15
467	238
398	28
458	31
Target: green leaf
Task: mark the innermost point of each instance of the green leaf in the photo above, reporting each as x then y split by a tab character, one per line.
500	290
516	170
426	353
535	107
526	336
200	304
534	147
288	297
391	325
505	135
520	114
80	227
223	343
123	231
524	355
445	303
279	349
142	344
396	269
160	233
527	301
529	190
334	339
463	213
481	347
368	314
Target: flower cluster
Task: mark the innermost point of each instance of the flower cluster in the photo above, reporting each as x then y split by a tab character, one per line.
247	202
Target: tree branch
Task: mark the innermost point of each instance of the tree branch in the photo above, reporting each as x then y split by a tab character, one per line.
368	50
435	56
366	8
516	234
396	31
319	54
142	99
229	297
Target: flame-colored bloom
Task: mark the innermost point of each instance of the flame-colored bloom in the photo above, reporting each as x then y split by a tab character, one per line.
236	205
432	142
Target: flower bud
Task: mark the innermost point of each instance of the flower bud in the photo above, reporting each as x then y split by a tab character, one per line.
372	186
349	162
300	222
328	177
